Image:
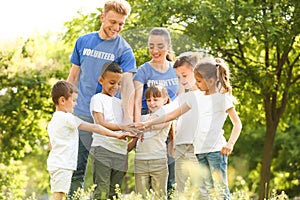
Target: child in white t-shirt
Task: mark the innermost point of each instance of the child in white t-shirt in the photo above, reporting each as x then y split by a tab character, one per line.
151	164
109	155
186	165
63	134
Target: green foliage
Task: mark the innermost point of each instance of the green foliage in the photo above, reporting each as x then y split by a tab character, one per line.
137	38
128	184
286	163
22	113
80	25
13	180
37	173
26	77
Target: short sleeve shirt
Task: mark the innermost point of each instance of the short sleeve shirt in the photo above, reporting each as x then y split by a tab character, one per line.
63	134
211	117
148	76
112	111
90	53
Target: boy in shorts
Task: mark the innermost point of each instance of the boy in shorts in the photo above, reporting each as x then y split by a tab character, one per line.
64	138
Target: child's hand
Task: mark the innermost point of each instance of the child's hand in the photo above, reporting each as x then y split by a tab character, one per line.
124	135
227	150
140	125
132	135
131	128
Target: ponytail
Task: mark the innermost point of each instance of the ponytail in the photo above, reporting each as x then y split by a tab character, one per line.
223	78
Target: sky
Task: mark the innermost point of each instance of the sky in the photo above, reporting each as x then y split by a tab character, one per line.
24	18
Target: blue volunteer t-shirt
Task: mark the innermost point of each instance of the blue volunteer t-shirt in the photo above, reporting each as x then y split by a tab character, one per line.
90	53
147	75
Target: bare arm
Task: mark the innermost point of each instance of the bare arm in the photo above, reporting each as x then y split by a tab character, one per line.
169	116
99	119
157	127
96	128
235	133
138	86
127	94
132	144
74	75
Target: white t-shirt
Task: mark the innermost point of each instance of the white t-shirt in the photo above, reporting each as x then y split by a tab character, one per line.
111	109
63	134
211	114
154	144
186	124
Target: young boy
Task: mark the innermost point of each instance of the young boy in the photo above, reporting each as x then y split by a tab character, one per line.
63	134
186	161
109	156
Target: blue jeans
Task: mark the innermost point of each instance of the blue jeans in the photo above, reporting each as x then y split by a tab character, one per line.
215	164
171	169
85	141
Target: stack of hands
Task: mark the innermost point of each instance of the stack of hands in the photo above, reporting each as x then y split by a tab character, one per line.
134	129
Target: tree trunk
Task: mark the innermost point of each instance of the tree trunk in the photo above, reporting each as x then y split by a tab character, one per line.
266	163
271	126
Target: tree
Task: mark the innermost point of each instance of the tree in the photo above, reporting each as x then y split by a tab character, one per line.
259	39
